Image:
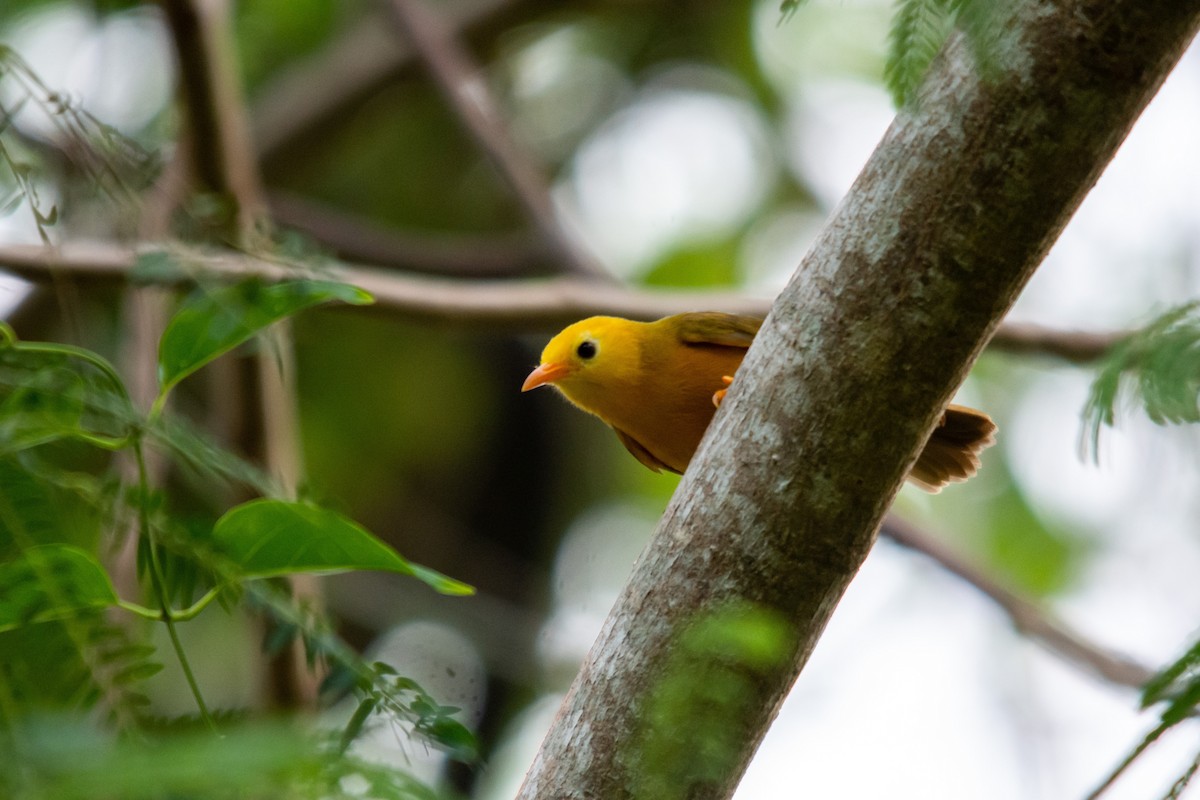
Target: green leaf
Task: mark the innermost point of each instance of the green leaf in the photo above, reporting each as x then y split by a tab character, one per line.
274	537
260	761
1159	364
40	504
452	735
211	324
138	671
919	28
358	719
204	463
47	407
984	22
50	392
1183	705
1166	682
51	582
708	678
341	679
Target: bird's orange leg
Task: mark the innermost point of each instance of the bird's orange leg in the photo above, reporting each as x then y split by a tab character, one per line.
719	395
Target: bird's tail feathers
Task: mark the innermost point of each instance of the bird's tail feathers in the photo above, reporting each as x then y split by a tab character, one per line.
952	453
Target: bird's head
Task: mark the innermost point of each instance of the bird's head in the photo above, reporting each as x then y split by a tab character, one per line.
588	357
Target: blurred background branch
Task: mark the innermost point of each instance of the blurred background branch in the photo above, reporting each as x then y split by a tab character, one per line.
1027	618
461	83
353	238
220	156
540	304
315	92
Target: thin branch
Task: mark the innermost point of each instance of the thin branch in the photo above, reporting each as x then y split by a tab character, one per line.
524	304
327	86
541	304
460	81
1078	347
199	93
222	158
1026	617
354	238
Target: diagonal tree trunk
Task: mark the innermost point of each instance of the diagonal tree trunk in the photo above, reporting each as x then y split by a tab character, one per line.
862	350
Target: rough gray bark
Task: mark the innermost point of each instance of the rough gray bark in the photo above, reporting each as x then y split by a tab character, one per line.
860	353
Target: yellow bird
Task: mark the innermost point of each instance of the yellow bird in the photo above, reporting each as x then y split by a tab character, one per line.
657	384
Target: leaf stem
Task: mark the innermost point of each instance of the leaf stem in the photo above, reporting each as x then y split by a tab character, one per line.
156	579
195	608
183	615
113	443
139	610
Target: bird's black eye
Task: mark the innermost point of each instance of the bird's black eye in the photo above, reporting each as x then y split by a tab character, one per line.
586	349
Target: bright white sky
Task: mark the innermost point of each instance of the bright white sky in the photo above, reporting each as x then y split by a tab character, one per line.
919	689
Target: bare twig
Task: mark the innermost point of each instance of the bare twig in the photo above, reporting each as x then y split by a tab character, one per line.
1078	347
355	238
1026	617
460	82
327	85
222	160
199	94
526	304
540	304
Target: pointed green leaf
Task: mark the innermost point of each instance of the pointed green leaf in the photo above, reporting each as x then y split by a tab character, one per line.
1160	364
452	735
51	582
1182	705
214	323
138	671
48	407
1165	683
919	28
274	537
354	727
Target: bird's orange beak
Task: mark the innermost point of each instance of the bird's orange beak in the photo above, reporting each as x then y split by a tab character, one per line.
545	373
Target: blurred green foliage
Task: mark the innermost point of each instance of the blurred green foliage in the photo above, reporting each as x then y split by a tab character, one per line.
1158	365
687	742
415	429
272	33
921	27
57	649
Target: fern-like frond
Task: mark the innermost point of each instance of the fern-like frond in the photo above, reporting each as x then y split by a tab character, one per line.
1178	688
1158	365
982	22
204	461
919	29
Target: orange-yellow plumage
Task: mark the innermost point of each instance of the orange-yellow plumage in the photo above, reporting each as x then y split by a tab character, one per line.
654	384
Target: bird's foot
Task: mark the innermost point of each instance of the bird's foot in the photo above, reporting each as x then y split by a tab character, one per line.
719	395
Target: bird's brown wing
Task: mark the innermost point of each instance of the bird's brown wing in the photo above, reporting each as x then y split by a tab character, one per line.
715	327
641	453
